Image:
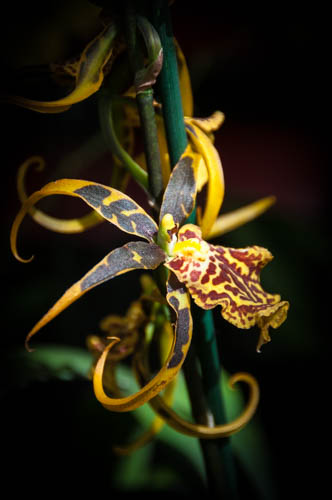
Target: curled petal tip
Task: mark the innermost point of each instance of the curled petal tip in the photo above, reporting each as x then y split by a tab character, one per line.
25	261
28	348
242	377
115	339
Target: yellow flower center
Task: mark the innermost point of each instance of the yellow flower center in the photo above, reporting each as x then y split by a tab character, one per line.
191	248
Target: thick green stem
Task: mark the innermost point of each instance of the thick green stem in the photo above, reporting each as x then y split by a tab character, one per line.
168	82
204	392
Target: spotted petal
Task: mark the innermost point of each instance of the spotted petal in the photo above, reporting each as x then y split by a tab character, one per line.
88	79
229	277
178	299
134	255
111	204
180	194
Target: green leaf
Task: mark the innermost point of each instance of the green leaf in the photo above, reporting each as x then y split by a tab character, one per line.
63	362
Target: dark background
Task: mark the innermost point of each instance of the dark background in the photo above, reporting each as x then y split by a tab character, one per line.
265	68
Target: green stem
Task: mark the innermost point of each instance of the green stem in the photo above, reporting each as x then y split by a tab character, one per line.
204	392
107	125
145	107
168	83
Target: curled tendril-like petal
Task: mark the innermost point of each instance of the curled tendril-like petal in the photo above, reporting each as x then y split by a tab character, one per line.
179	301
76	225
111	204
178	423
89	75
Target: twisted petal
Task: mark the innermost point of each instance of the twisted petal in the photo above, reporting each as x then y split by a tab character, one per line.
88	79
111	204
216	186
163	409
179	300
209	124
76	225
134	255
229	277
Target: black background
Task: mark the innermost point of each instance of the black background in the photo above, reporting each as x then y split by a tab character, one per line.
265	68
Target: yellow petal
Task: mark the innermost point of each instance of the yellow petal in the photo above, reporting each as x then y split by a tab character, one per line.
185	83
89	75
77	225
111	204
133	255
209	124
236	218
162	408
216	186
178	299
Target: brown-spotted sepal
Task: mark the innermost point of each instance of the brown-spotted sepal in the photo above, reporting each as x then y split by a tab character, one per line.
134	255
178	298
111	204
229	277
180	194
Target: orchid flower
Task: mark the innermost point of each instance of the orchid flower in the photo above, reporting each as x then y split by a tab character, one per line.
211	275
144	317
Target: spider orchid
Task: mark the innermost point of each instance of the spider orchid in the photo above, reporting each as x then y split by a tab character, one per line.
212	275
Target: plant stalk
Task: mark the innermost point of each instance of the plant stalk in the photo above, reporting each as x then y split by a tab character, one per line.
204	390
145	107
